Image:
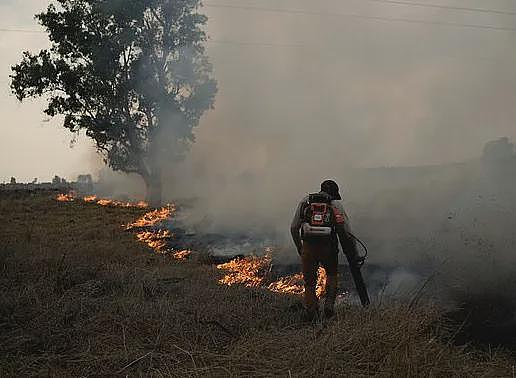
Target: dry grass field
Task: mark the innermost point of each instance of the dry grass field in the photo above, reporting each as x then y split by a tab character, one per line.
81	297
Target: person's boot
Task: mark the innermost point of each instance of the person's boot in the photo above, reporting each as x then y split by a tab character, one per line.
311	303
331	295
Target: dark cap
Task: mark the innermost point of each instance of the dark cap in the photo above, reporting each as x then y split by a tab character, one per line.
331	187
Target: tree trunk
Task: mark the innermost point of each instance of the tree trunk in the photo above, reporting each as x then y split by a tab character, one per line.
154	188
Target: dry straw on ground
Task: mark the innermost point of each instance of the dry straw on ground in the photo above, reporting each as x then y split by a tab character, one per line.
81	297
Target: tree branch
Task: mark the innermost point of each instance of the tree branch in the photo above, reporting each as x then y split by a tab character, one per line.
157	17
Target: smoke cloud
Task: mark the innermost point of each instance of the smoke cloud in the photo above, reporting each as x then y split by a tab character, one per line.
338	94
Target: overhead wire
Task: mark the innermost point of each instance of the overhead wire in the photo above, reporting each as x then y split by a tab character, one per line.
356	15
447	7
325	14
334	14
360	16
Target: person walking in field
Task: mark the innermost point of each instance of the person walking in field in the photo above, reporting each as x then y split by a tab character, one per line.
319	223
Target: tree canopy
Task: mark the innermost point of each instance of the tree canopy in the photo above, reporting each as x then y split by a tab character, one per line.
132	73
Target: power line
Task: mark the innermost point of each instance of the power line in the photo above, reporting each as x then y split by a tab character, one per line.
448	7
347	15
360	16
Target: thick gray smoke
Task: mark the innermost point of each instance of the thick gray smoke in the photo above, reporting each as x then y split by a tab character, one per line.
339	94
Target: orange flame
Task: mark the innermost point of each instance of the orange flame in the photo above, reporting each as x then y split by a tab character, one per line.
321	282
182	255
290	284
115	203
69	197
294	284
72	196
153	217
252	272
157	240
249	271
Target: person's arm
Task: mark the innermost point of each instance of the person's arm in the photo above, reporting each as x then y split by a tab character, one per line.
295	227
343	229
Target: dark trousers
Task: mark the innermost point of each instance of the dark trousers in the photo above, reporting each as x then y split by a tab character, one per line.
317	253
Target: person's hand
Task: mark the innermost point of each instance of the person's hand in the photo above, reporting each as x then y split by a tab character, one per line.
358	261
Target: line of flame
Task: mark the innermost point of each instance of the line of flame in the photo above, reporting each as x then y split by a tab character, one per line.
250	271
72	196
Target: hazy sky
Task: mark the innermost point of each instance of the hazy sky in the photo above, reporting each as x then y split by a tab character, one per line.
338	89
